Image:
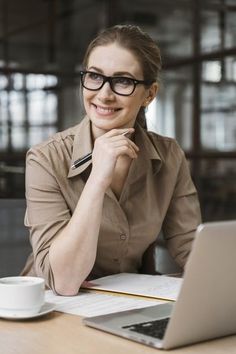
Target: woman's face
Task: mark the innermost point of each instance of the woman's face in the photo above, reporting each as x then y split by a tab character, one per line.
106	109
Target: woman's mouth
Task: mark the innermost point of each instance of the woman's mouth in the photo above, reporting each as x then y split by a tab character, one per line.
105	110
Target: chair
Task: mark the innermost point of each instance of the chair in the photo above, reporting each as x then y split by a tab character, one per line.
14	241
165	264
157	259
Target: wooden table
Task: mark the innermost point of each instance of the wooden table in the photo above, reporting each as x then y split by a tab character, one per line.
59	333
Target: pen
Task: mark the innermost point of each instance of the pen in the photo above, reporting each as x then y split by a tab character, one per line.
81	161
87	157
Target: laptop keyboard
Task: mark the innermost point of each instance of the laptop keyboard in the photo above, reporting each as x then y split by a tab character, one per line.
154	328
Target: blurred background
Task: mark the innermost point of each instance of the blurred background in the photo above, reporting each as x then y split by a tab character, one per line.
42	43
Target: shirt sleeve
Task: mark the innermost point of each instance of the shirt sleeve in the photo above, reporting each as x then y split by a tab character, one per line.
183	214
47	212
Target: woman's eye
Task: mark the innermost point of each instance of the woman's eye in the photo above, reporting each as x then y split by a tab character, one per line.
124	81
94	76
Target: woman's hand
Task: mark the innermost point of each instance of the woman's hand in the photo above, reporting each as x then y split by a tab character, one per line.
107	149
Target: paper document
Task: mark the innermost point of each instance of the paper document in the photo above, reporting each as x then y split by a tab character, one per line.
93	304
154	286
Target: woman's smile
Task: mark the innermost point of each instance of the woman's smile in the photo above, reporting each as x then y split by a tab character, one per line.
105	111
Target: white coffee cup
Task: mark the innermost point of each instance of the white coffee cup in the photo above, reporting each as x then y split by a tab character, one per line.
23	296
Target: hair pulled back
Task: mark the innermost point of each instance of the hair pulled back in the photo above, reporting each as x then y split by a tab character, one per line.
131	37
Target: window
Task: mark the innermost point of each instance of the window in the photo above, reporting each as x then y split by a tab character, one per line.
28	115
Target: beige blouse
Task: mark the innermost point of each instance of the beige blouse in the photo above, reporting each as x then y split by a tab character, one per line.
158	194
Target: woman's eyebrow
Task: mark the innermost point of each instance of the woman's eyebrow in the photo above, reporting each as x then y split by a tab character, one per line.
95	69
117	73
123	73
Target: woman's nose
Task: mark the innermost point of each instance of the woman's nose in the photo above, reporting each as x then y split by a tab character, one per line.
106	92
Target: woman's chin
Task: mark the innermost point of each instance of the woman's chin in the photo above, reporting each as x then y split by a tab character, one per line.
105	123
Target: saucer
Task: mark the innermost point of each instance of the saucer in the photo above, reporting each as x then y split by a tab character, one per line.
45	309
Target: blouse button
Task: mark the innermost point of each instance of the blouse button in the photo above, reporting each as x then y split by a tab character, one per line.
123	237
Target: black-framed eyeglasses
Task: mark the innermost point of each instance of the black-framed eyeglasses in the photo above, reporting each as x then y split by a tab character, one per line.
121	85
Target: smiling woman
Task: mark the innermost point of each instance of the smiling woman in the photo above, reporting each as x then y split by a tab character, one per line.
104	216
108	103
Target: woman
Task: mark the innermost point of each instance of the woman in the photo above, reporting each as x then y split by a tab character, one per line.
101	217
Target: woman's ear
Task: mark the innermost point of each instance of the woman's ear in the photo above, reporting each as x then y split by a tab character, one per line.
151	94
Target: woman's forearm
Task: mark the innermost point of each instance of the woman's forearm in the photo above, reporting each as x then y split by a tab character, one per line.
72	254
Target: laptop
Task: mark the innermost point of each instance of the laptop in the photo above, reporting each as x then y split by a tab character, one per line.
206	305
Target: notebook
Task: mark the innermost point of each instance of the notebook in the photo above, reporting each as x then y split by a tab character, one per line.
206	305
